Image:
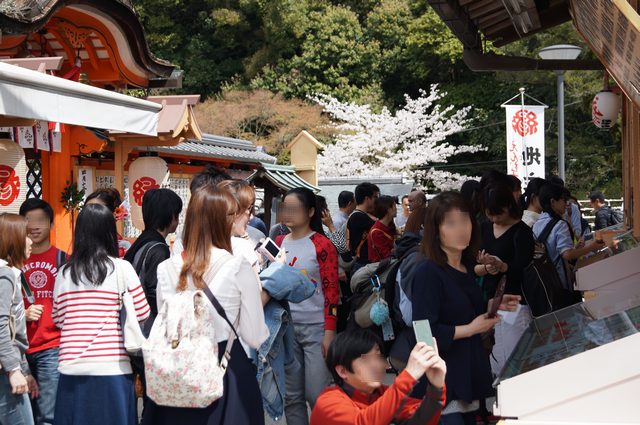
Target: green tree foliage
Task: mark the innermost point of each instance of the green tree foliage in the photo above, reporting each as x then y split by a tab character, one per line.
335	57
375	51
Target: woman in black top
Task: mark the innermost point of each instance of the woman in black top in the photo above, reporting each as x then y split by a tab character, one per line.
445	292
507	248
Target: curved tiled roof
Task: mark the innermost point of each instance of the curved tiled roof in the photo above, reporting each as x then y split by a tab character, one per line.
283	177
27	16
219	147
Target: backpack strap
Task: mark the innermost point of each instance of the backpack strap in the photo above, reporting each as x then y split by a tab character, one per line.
218	307
543	239
61	258
388	236
363	239
28	293
226	357
140	259
144	252
365	235
547	230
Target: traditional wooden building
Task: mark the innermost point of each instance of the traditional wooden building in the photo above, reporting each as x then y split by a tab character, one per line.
99	43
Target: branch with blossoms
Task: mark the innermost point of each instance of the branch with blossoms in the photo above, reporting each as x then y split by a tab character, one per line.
381	144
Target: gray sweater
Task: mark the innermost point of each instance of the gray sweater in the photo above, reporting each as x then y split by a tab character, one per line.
11	305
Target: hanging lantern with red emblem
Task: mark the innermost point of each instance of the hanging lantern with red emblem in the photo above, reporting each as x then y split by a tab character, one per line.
148	172
605	106
13	175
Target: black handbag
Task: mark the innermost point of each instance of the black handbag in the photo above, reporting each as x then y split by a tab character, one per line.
401	348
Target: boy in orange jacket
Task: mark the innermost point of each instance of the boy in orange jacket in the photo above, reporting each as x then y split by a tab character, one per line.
359	397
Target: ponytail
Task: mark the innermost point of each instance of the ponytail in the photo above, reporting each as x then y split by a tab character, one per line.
533	189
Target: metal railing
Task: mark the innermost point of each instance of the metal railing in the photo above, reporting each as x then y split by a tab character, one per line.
589	213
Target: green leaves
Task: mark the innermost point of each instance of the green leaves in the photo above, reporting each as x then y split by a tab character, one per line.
72	198
373	52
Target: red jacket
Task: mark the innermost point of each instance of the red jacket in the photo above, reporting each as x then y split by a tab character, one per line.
380	241
335	407
327	257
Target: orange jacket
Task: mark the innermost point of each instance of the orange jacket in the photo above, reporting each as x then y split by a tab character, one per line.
335	407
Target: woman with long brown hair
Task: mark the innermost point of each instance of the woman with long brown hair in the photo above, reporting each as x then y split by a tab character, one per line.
241	243
207	247
15	378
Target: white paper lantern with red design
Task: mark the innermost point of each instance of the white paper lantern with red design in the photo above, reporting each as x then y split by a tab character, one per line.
144	173
13	176
605	108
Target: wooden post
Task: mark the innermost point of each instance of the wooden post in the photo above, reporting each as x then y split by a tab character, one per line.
634	157
268	202
57	169
626	159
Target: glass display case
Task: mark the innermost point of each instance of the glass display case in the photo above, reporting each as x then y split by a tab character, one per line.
570	363
565	333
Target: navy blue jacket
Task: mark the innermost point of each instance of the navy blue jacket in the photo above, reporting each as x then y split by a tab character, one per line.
450	298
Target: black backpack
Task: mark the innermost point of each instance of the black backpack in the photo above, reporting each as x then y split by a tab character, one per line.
615	217
542	288
384	272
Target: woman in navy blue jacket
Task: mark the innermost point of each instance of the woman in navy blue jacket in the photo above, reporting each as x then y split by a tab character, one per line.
445	292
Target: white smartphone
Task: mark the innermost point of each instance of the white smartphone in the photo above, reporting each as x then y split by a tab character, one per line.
422	329
268	249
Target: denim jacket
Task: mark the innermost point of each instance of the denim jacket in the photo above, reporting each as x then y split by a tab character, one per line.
284	284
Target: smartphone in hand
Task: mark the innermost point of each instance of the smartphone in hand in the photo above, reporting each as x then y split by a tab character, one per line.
269	249
497	300
422	329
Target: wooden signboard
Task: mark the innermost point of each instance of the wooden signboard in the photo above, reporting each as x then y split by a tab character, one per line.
612	31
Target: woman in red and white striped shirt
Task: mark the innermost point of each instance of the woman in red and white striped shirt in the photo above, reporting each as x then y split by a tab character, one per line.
96	381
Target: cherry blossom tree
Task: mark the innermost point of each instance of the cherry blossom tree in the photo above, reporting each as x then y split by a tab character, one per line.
407	142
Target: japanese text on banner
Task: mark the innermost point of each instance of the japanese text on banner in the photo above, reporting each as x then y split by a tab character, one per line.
525	141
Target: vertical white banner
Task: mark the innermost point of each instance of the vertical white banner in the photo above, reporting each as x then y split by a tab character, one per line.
525	141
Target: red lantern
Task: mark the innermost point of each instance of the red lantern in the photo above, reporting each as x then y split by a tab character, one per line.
13	176
144	173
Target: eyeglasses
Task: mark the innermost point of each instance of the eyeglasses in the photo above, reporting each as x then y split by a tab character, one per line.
249	210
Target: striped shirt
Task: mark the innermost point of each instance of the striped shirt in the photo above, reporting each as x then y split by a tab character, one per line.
91	341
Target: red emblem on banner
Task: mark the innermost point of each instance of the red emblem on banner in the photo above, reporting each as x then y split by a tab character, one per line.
9	185
525	122
141	186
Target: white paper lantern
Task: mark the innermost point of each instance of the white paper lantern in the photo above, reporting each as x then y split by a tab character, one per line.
605	108
144	173
13	176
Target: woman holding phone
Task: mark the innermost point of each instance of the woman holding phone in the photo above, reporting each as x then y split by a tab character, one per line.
445	292
507	249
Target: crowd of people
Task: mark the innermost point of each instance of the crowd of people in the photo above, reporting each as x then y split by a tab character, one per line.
63	346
